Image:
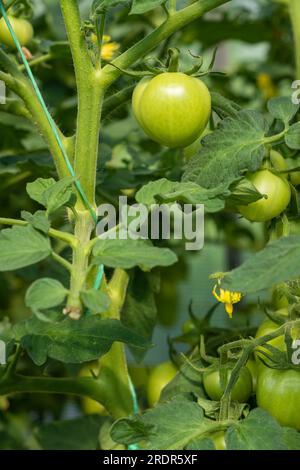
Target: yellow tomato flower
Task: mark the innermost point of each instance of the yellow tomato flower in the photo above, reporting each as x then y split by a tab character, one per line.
109	48
228	298
266	85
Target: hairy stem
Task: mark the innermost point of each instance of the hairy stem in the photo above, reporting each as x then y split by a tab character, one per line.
90	97
295	19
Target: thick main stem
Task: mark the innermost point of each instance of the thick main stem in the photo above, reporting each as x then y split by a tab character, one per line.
83	229
295	19
90	97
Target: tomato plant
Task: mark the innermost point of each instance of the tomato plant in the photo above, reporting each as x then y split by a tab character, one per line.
139	140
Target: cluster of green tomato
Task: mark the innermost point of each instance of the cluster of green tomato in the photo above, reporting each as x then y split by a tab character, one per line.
174	109
22	28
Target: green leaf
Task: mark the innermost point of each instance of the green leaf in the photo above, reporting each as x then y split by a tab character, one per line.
139	312
201	444
74	434
38	220
45	293
235	147
60	50
142	6
103	5
129	253
259	431
95	300
165	191
277	262
169	426
187	381
291	438
243	192
72	341
223	106
282	108
292	137
21	247
50	193
36	189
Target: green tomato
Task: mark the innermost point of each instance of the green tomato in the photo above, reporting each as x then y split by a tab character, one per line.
90	406
21	27
252	367
278	392
188	327
172	108
295	178
241	391
159	377
278	196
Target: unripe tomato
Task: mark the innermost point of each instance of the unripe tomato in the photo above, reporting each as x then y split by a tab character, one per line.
278	392
278	194
188	327
172	108
240	392
90	406
295	178
159	377
22	28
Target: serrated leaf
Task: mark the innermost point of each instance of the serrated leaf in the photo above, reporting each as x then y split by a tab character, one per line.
95	300
45	293
159	426
292	137
74	434
21	247
276	263
236	147
50	193
38	220
59	195
129	253
36	189
166	191
72	341
259	431
282	108
223	106
142	6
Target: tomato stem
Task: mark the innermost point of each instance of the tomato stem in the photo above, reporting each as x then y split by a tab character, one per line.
295	19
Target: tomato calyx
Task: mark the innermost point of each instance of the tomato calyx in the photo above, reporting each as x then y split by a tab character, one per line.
172	65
